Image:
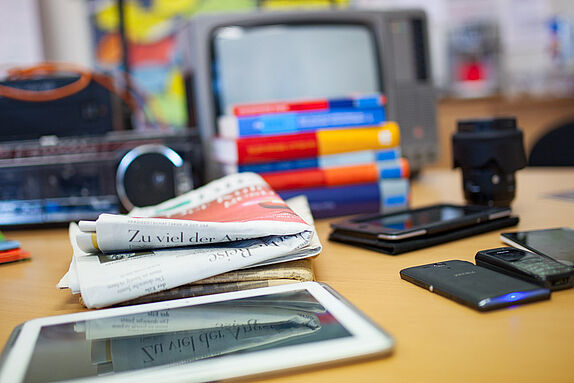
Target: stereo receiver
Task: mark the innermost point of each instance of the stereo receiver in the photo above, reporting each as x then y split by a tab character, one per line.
62	179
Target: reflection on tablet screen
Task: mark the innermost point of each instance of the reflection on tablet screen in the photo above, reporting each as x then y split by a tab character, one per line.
179	336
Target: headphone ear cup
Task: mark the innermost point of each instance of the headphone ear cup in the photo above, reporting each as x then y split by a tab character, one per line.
148	175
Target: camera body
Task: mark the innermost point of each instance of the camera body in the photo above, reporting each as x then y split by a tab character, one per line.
489	152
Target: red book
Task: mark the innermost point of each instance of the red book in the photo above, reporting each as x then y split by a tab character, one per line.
320	104
266	148
280	107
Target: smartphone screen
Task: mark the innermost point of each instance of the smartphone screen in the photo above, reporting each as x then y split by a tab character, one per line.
556	243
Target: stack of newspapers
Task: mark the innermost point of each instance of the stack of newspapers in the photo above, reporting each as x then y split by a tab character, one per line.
235	226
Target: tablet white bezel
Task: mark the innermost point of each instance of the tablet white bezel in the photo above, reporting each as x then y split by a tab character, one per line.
366	339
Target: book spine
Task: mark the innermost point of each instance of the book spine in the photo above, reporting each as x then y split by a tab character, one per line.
333	141
395	194
280	107
323	104
321	177
279	166
294	122
369	101
387	154
399	168
323	162
276	148
340	175
250	150
335	201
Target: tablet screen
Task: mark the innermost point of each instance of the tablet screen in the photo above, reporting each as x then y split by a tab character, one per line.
179	336
417	218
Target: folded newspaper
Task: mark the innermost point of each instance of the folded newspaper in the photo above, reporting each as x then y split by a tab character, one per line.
232	223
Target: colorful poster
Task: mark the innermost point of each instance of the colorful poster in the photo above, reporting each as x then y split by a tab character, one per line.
153	60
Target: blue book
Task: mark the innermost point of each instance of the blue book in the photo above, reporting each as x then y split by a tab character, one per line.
335	201
371	101
322	162
298	122
6	245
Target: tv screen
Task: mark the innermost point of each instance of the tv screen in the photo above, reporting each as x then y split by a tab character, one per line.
253	57
262	63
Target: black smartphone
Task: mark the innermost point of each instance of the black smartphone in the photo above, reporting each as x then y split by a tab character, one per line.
529	266
474	286
420	222
556	243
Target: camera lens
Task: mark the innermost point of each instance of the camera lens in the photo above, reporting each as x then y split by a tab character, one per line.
489	152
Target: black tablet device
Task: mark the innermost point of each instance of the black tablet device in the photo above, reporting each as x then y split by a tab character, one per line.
419	222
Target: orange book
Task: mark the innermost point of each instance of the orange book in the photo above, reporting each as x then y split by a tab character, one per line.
340	175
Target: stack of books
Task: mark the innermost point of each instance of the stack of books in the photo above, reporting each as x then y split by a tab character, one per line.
342	154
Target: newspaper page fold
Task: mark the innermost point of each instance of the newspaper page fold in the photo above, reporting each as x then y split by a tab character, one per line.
233	208
107	279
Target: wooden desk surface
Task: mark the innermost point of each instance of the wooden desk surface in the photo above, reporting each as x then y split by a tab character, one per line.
436	339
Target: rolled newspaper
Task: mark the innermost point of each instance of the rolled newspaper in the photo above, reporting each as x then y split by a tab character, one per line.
234	208
259	229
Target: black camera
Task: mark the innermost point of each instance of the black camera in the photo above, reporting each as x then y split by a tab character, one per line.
489	152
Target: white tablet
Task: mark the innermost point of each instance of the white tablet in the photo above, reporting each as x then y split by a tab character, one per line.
196	339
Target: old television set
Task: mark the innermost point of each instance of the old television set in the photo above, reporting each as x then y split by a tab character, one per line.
285	55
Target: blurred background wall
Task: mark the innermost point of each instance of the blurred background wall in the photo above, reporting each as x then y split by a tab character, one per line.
489	57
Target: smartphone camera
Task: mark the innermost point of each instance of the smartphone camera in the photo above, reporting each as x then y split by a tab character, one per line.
489	152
